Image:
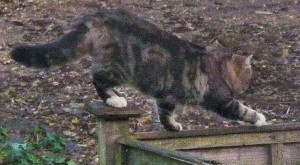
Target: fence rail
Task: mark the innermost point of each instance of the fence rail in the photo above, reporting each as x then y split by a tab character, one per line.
137	153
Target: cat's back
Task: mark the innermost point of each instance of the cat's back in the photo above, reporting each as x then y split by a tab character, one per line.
123	23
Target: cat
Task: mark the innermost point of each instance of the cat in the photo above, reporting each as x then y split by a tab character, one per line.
128	49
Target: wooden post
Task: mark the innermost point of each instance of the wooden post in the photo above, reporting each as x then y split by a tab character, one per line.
277	154
113	124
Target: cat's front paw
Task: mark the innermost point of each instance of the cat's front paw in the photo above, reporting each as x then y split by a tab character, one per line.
176	127
260	120
116	101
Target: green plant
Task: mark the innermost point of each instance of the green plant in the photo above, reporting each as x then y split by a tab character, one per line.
3	136
39	148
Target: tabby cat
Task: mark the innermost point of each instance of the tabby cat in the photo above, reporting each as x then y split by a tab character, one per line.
128	49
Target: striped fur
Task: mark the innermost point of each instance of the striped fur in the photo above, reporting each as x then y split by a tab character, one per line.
128	49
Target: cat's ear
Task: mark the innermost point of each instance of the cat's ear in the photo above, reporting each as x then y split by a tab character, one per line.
242	59
248	60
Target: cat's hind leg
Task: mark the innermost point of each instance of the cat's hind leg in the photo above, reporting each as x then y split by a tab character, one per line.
166	112
104	89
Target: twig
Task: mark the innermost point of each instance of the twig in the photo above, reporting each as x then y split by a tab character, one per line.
288	110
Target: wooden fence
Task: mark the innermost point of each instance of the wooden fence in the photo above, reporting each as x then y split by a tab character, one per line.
275	144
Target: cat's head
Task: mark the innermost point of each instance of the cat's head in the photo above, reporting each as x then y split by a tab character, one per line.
237	72
235	69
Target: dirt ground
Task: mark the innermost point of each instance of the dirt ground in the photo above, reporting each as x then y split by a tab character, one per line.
267	29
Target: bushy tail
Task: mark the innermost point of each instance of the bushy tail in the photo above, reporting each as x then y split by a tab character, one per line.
57	52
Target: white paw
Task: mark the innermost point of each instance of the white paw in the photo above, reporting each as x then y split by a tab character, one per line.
180	127
116	101
176	127
261	120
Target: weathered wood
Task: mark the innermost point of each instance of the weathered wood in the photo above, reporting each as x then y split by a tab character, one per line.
216	131
291	153
109	132
103	111
113	124
277	144
242	155
274	144
189	143
138	153
277	154
121	157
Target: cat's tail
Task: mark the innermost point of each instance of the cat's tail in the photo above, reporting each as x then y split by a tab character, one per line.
58	52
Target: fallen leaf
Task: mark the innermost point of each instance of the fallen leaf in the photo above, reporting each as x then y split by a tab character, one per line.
263	12
5	60
75	120
69	133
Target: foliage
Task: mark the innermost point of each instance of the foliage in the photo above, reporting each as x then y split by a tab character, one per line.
36	137
3	136
39	148
55	143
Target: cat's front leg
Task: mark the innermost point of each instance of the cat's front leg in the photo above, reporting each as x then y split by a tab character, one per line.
237	110
115	100
112	99
106	93
166	112
249	115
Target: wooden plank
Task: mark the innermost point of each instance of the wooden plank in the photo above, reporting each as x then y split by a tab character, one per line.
216	131
103	111
277	154
143	153
190	143
109	132
121	156
136	156
291	153
112	123
245	155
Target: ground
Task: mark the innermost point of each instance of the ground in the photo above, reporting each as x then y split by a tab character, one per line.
56	97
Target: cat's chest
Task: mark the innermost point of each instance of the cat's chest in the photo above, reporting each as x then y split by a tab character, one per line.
194	81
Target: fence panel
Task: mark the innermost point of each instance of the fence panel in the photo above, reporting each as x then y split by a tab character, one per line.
276	145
